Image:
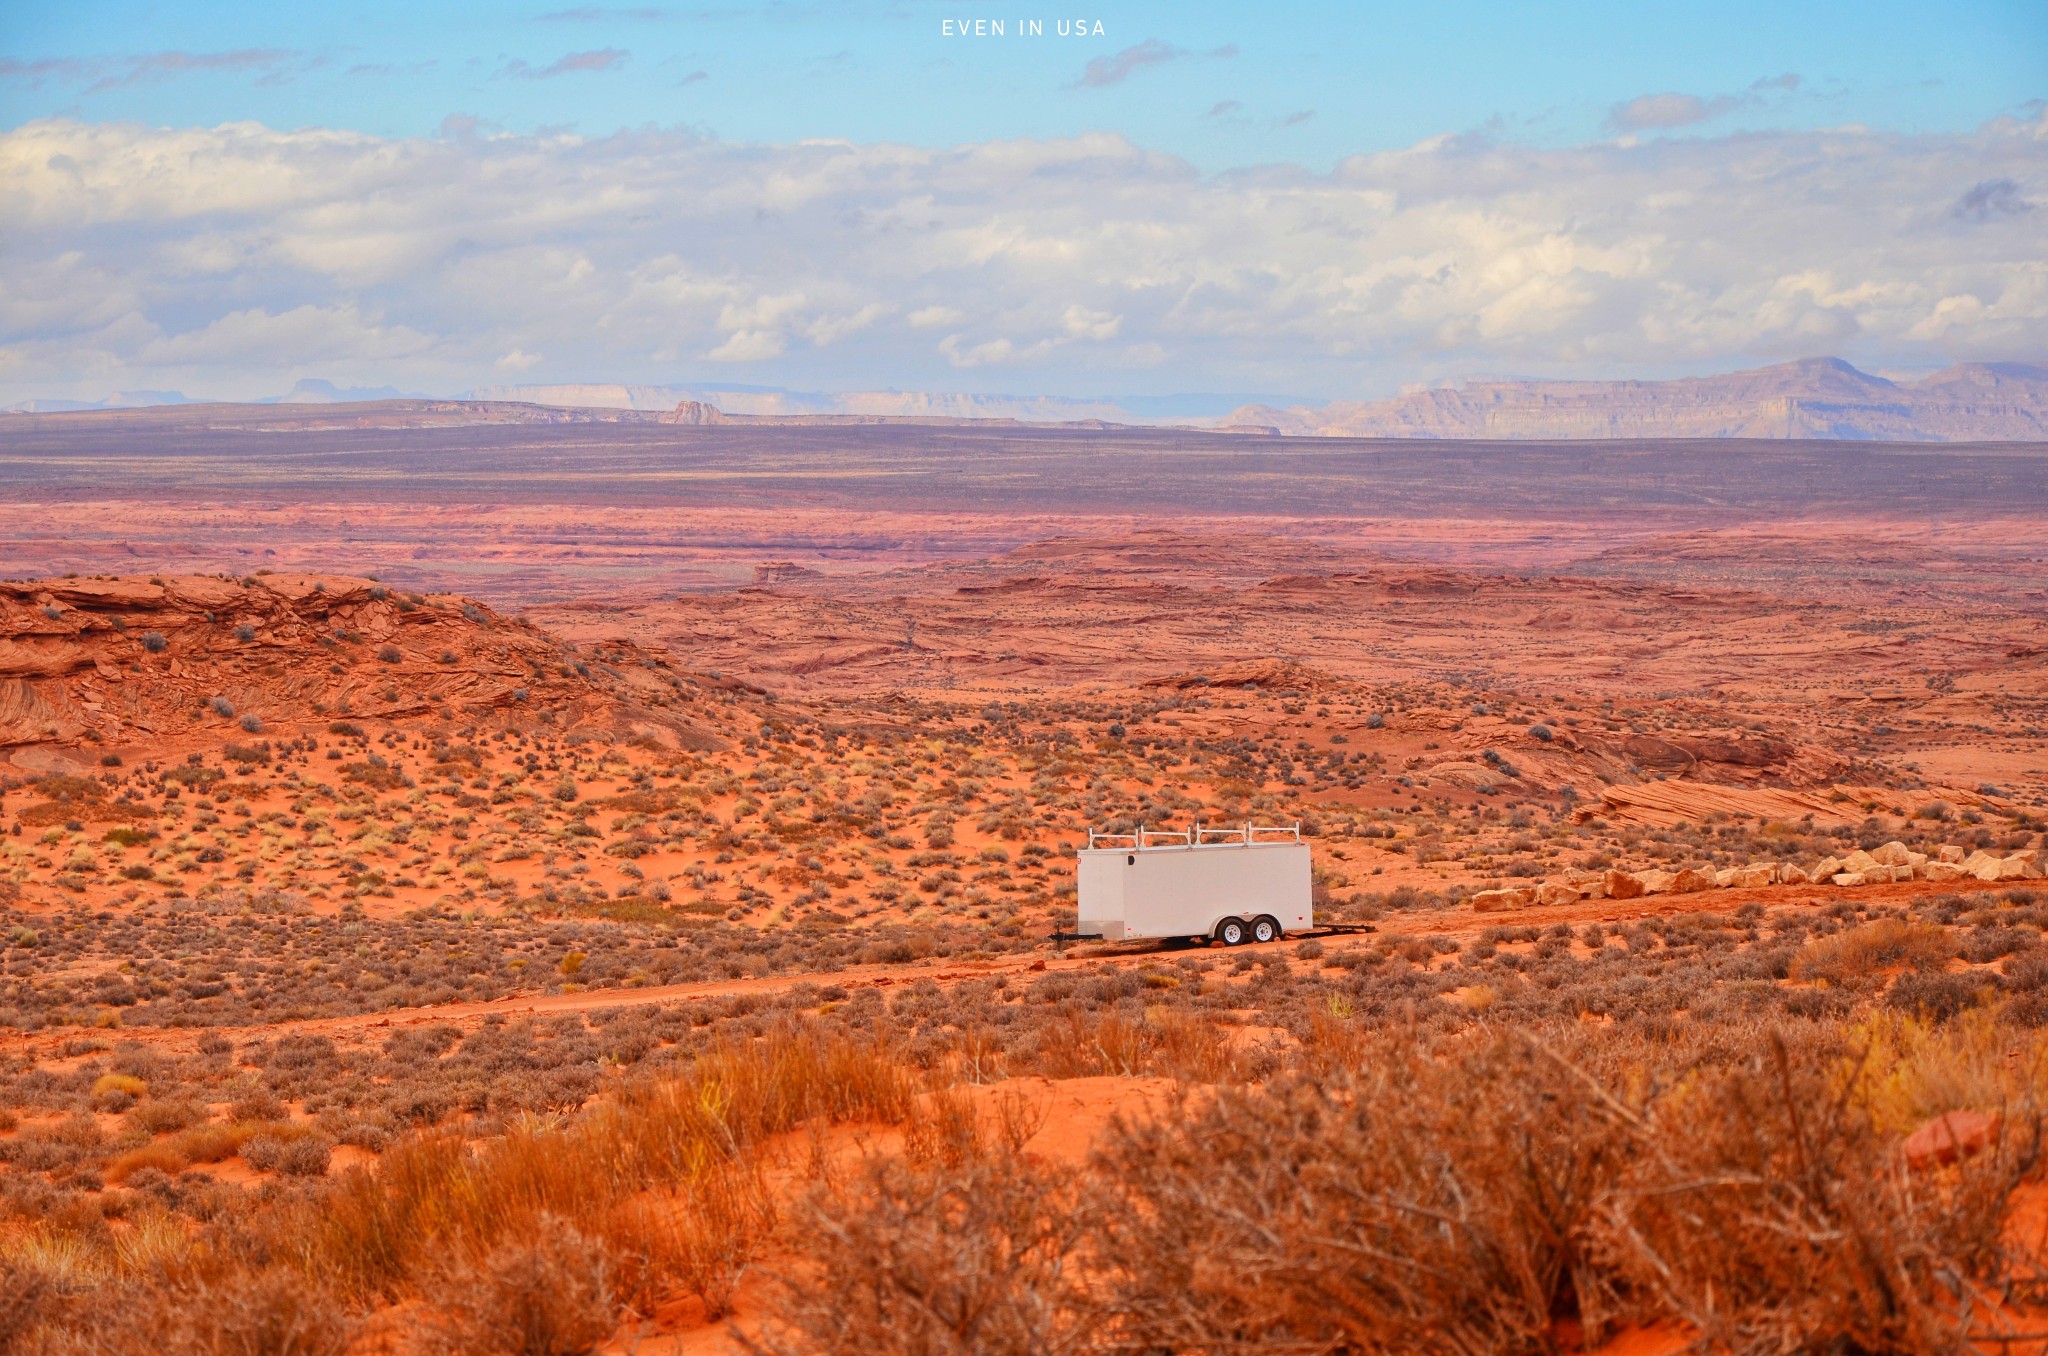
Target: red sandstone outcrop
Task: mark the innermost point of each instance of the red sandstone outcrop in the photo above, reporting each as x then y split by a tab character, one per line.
92	665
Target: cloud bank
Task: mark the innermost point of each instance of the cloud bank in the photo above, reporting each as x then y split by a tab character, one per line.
235	259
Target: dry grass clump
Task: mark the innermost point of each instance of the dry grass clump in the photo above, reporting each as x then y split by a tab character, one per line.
1419	1203
1768	1211
1178	1043
436	1197
1906	1070
965	1245
23	1292
273	1141
1378	1166
547	1294
531	1241
1450	1194
233	1311
1873	948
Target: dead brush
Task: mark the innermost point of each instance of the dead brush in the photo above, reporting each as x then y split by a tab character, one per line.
1419	1204
1337	1040
684	1138
1169	1042
979	1054
24	1294
548	1293
702	1238
1874	948
1765	1207
1082	1045
949	1130
226	1311
968	1253
209	1142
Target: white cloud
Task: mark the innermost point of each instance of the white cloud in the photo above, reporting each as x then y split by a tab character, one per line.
217	259
1082	323
302	334
831	329
749	346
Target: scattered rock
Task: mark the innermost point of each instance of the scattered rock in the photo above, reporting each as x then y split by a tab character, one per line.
1588	884
1950	1138
1622	885
1894	861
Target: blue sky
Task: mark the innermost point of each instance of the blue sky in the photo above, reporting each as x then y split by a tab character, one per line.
1219	84
1325	200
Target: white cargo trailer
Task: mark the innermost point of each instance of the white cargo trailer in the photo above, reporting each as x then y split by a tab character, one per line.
1250	883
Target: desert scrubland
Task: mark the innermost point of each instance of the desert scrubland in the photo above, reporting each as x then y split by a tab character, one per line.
521	886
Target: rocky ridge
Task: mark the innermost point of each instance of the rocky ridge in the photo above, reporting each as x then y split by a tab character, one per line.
89	666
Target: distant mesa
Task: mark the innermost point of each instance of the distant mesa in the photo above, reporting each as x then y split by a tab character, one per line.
119	400
1813	398
735	403
315	391
696	413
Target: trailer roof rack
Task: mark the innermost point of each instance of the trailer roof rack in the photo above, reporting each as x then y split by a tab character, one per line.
1149	839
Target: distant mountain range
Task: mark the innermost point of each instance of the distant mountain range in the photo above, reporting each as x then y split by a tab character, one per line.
1815	398
771	402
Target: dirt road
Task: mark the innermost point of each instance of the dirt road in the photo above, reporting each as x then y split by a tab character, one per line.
1452	922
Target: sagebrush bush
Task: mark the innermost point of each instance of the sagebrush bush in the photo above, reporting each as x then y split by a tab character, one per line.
433	1198
1415	1203
1873	948
1432	1195
258	1311
298	1156
548	1293
1765	1208
978	1255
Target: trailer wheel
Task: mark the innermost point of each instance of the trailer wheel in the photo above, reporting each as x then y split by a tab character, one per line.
1231	932
1265	930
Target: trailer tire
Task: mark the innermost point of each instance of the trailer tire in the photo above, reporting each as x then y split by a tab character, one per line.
1265	930
1231	932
